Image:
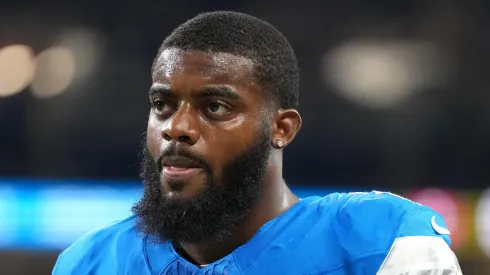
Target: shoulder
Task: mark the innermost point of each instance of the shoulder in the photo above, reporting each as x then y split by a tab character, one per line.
368	225
403	217
89	250
378	218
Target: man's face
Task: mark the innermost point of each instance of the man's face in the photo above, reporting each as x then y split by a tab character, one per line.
207	146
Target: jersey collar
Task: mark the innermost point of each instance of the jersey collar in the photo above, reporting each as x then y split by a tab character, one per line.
159	256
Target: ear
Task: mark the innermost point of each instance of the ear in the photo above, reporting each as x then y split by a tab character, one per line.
287	124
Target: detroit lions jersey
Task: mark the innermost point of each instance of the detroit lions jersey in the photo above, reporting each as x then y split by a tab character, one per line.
342	233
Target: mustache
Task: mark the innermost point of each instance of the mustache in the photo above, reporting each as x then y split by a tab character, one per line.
174	151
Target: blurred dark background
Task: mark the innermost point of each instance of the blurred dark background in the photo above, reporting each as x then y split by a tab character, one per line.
394	96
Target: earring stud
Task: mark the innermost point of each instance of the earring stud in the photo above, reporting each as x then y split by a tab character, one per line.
279	144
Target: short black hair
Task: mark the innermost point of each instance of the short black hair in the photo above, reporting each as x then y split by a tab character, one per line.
275	64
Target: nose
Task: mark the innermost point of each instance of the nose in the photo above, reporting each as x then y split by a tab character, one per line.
183	126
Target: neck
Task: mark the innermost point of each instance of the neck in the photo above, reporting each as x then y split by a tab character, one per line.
276	199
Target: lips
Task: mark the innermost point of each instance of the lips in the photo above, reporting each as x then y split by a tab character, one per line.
179	167
179	163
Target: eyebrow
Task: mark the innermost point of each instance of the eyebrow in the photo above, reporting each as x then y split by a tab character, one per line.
223	92
161	90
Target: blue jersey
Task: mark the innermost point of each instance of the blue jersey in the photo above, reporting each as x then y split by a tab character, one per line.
342	233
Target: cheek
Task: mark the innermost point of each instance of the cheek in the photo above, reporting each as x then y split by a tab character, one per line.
229	142
154	138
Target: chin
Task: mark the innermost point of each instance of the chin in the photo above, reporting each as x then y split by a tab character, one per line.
177	196
180	190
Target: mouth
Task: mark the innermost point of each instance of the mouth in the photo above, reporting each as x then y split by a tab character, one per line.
178	167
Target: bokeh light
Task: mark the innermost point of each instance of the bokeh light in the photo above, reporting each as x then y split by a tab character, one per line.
55	72
86	46
17	65
381	74
482	222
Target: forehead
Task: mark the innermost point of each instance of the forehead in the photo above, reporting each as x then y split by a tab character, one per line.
206	67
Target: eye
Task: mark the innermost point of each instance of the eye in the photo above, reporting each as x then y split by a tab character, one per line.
217	109
160	107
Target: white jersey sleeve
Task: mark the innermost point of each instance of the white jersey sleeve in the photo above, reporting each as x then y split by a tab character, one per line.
420	255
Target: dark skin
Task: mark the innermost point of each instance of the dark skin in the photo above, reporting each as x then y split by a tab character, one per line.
210	103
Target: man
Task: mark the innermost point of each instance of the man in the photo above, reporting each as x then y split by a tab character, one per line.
223	106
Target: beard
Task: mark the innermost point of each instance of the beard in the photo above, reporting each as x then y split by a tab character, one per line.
211	215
